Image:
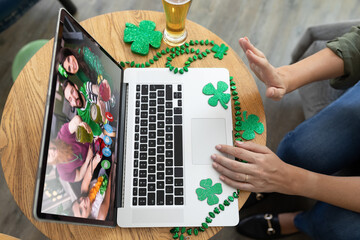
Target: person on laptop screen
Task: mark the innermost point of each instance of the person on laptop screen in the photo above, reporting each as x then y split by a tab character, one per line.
82	98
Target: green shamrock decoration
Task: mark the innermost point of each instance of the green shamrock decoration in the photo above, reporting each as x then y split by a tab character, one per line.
250	125
208	191
219	51
142	36
218	93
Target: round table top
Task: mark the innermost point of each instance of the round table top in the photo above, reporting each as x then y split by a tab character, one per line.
22	120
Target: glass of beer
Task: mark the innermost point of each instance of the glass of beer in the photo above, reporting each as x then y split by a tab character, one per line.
175	10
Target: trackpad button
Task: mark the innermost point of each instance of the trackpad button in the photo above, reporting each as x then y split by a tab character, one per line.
206	133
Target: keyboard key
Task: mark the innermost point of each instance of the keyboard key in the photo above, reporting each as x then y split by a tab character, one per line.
151	199
144	99
152	151
136	163
143	131
152	110
160	109
136	147
136	137
151	187
169	128
160	185
169	105
169	145
151	169
168	154
179	201
143	147
143	164
136	154
160	133
179	182
177	119
137	104
160	149
161	117
142	173
178	146
136	172
169	180
137	111
144	115
151	160
138	87
137	120
169	200
144	89
169	171
137	128
169	162
152	143
169	120
160	197
143	156
142	182
168	92
179	87
144	107
152	118
143	139
179	191
177	111
179	103
135	182
178	172
151	178
144	123
161	93
152	103
169	189
160	167
160	158
142	191
152	95
137	95
169	112
135	191
134	201
160	176
161	124
152	135
160	141
142	201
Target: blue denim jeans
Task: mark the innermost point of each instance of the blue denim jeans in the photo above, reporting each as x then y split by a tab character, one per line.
326	143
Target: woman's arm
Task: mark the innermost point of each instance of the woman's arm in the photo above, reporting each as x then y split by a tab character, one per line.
104	208
266	172
88	174
80	173
322	65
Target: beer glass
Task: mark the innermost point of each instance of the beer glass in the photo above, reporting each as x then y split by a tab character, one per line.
175	10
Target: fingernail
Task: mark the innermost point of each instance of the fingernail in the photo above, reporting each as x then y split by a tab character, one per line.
215	165
239	143
250	52
213	157
218	147
222	178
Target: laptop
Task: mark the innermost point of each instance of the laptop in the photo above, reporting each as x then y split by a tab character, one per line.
128	147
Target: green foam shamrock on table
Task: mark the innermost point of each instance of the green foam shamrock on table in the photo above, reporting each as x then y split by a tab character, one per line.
250	125
209	191
218	93
143	36
219	51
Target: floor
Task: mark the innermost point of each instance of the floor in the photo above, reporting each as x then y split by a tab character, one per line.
274	26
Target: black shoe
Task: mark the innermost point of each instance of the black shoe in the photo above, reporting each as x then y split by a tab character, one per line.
254	198
261	226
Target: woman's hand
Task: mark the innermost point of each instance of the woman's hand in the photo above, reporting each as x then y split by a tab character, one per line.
274	81
263	172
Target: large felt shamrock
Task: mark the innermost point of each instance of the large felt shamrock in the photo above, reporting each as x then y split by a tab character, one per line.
218	93
250	125
142	36
219	51
208	191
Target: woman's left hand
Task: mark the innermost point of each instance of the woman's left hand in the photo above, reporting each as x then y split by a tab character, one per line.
263	172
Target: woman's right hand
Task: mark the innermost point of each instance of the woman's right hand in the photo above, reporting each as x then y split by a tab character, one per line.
276	84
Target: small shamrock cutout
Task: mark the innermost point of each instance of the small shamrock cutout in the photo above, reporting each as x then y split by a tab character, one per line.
142	36
219	51
250	125
208	191
218	93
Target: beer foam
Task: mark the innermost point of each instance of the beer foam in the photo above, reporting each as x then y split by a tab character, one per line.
177	2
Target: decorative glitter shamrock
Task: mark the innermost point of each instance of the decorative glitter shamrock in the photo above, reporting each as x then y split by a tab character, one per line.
208	191
142	36
250	125
219	51
218	93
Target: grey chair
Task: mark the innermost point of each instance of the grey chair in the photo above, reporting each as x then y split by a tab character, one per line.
316	96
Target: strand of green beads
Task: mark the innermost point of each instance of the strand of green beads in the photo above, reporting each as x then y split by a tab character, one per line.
237	109
208	219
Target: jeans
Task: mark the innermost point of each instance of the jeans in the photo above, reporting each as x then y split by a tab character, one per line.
326	143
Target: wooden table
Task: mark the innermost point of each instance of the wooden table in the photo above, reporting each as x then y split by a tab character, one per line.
22	120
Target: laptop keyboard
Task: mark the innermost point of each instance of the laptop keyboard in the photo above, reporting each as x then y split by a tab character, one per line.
158	176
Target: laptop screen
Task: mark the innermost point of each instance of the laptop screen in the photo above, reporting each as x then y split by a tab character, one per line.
80	143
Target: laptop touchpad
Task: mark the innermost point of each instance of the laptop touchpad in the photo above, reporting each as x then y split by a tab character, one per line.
206	133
